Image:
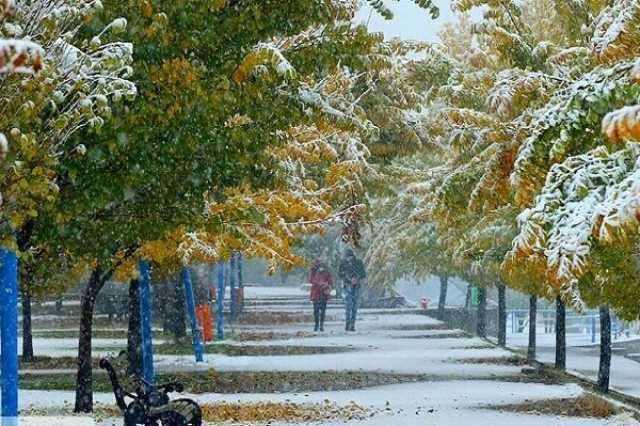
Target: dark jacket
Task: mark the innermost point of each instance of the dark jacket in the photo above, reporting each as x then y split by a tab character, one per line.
351	271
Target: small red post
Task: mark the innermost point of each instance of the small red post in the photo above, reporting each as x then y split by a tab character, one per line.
205	320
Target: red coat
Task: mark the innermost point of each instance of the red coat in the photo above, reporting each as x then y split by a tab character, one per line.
321	283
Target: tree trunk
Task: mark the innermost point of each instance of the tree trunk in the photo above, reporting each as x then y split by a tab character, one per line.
179	313
241	283
23	239
605	349
482	312
561	338
502	315
134	336
84	382
533	312
467	300
161	299
27	335
442	302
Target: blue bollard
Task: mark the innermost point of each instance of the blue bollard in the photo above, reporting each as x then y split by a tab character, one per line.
198	349
232	287
146	322
220	303
9	336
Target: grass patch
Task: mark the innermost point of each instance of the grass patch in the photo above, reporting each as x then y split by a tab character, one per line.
417	327
276	318
260	336
281	412
48	363
512	361
240	382
245	350
478	346
73	334
255	350
97	334
258	412
587	405
545	376
457	335
233	382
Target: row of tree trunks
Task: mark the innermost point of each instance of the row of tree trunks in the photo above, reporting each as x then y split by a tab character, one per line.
604	368
481	325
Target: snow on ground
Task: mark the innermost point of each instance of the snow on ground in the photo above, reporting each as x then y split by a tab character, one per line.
583	360
454	403
381	349
253	292
458	394
549	339
65	347
625	376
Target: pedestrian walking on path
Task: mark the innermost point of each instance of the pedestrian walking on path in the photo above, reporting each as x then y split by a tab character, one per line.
353	275
321	285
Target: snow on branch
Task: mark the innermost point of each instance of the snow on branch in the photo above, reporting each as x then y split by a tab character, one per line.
551	126
587	199
20	56
273	54
625	122
622	124
616	31
84	79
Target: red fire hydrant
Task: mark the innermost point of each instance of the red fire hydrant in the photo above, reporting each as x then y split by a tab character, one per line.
424	303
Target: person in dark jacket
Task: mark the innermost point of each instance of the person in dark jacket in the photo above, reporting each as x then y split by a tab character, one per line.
321	285
353	275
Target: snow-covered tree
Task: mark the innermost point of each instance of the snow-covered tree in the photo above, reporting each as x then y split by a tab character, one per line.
78	79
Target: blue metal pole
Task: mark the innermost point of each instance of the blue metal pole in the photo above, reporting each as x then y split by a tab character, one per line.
9	336
146	320
220	303
198	349
232	287
593	328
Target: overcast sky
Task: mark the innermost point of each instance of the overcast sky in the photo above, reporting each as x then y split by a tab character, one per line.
409	22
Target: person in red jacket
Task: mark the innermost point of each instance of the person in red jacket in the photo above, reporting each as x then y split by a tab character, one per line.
321	285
